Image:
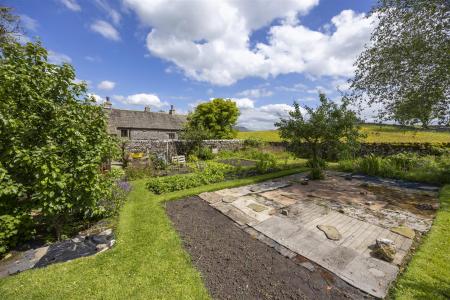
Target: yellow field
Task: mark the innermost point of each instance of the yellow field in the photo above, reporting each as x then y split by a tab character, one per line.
375	134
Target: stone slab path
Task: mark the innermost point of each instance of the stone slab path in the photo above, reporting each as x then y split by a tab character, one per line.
289	213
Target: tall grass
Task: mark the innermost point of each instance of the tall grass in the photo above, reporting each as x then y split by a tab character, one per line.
432	169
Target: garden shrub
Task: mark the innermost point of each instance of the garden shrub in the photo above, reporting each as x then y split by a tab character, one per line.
408	166
203	153
265	162
138	171
161	185
253	143
53	141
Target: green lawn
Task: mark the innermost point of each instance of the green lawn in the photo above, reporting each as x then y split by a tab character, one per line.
375	134
147	263
428	274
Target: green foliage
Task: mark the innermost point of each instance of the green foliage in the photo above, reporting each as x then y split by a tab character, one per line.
433	169
265	162
138	171
162	185
253	143
203	153
212	120
405	68
330	127
9	25
53	140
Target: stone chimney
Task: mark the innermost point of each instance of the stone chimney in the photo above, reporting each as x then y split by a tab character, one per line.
107	104
147	108
172	110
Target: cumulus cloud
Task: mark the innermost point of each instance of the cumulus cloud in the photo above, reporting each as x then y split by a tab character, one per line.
210	40
141	99
113	14
106	30
256	93
71	4
244	103
29	23
58	58
98	99
106	85
263	117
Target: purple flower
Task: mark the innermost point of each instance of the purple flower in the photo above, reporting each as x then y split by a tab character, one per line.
124	185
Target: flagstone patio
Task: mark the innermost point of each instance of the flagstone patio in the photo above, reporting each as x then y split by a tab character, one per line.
334	222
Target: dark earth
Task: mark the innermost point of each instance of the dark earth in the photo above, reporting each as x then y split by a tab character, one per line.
236	266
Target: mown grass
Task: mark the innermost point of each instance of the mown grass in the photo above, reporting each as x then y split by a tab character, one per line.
148	261
375	134
428	273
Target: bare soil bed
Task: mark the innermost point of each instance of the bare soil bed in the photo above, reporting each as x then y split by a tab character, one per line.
236	266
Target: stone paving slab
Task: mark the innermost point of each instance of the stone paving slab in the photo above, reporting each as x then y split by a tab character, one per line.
286	215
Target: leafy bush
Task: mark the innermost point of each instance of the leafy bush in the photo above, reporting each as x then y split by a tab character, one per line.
253	143
211	172
53	140
265	162
138	171
203	153
409	166
9	230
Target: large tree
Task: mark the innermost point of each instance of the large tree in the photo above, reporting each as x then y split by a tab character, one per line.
213	120
53	140
9	25
329	127
405	67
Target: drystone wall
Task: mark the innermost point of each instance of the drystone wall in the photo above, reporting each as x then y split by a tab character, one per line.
170	148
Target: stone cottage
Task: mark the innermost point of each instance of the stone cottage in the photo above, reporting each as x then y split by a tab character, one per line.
144	125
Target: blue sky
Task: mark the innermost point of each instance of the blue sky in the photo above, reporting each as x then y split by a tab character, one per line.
264	54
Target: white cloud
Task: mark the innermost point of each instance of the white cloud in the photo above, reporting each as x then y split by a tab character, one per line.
29	23
113	14
256	93
244	103
141	99
58	58
92	58
106	85
98	99
210	40
106	30
71	4
263	117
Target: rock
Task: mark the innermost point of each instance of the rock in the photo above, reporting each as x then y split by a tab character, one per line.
330	231
348	177
101	247
385	250
99	239
368	203
425	206
228	199
257	207
111	243
363	193
284	212
404	231
304	181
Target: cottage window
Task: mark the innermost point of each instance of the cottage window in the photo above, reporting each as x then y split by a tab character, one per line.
124	133
171	135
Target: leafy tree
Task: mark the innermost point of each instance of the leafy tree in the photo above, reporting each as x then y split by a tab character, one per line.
329	127
213	120
53	141
9	25
406	66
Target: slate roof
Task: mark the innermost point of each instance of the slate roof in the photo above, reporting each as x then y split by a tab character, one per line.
119	118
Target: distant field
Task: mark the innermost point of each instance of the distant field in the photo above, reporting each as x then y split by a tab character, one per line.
375	134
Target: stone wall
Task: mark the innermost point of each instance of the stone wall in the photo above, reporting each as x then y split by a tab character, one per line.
144	134
178	147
